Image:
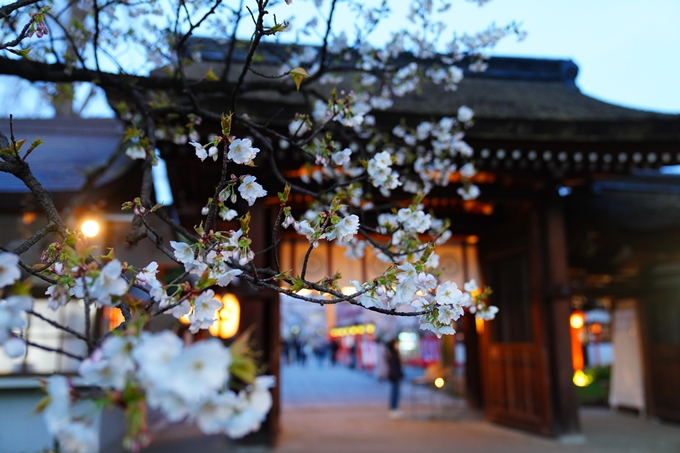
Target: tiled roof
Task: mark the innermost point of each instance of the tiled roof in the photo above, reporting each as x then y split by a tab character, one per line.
72	148
514	99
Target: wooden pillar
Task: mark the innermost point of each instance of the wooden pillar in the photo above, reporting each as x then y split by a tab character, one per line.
473	372
558	310
260	310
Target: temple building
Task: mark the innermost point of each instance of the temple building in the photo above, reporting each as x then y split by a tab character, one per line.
578	211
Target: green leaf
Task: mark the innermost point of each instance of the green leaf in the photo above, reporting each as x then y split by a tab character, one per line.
298	284
132	132
210	75
245	223
298	74
283	197
226	124
108	257
42	404
22	288
23	52
71	239
283	275
205	281
243	365
19	144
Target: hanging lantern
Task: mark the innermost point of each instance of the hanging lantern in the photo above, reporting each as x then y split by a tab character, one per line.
228	318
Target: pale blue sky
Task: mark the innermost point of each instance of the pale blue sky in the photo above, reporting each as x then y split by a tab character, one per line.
628	51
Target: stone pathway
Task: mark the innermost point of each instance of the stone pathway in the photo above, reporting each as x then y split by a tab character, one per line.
338	410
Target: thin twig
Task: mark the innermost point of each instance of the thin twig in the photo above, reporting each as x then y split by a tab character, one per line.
57	350
57	325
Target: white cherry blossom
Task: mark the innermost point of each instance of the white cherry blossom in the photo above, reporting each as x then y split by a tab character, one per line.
203	315
9	268
15	347
183	252
201	153
487	313
345	229
470	192
109	365
12	315
241	151
251	190
213	414
470	286
438	330
108	283
78	437
448	294
342	157
449	313
225	277
136	152
57	411
148	274
200	369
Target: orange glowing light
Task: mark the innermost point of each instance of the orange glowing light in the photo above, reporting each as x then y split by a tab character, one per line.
228	318
576	320
479	325
595	328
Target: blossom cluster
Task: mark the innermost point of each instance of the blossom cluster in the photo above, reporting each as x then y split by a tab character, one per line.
12	308
343	229
74	434
183	382
431	150
381	173
441	304
102	287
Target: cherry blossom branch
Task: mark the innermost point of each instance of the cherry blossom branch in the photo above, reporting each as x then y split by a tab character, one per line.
232	44
22	35
30	270
339	297
56	350
51	227
58	325
6	10
21	170
259	32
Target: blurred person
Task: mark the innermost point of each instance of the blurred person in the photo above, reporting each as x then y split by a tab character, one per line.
381	367
320	353
285	351
307	351
394	374
353	355
297	348
334	346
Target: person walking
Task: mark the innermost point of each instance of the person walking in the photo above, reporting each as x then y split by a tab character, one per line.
394	375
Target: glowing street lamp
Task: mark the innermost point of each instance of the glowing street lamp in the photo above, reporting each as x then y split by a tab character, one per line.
90	228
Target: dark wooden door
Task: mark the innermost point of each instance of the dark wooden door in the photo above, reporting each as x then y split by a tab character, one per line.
514	348
661	318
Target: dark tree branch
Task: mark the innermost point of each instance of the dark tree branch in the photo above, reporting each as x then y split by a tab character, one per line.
57	325
6	10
